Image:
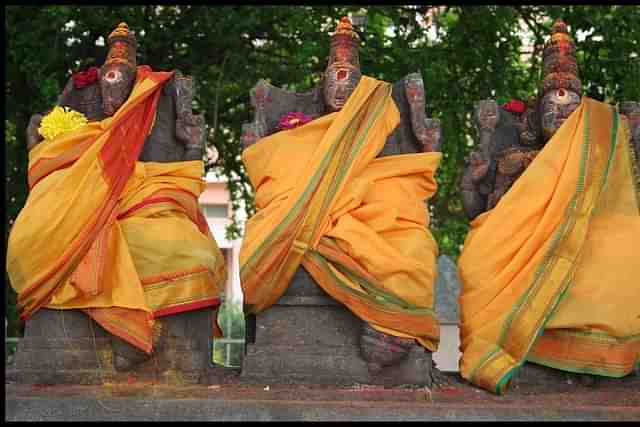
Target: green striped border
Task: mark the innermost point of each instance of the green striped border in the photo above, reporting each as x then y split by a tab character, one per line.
304	198
383	304
549	256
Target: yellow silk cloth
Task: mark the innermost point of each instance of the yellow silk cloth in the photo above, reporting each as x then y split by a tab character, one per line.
550	275
120	239
357	223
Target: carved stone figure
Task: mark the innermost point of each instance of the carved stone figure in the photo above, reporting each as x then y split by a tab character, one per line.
416	133
177	135
552	191
631	110
510	138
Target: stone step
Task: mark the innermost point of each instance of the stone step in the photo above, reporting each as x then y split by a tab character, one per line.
329	403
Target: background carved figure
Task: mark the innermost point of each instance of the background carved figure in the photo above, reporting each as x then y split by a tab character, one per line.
512	135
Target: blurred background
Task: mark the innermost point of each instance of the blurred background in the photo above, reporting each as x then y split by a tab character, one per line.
465	54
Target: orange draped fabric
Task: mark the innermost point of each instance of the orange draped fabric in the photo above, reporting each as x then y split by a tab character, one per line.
123	240
550	275
357	223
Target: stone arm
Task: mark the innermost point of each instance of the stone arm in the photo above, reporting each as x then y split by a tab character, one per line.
271	103
33	137
87	100
190	128
477	178
631	110
427	131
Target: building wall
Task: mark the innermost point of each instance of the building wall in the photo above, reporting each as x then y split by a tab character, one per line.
216	207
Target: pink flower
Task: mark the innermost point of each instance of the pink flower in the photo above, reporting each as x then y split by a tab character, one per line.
293	120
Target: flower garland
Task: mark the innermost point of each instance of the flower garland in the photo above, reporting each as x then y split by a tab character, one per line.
61	120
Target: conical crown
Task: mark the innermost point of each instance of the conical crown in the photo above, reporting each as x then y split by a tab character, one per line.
122	46
344	45
559	61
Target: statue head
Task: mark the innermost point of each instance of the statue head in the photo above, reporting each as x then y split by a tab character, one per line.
118	73
561	88
343	71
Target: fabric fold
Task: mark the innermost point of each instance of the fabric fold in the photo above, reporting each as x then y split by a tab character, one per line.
357	223
107	234
553	264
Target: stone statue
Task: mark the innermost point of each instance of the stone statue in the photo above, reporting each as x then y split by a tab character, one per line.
178	134
509	139
552	192
176	139
415	134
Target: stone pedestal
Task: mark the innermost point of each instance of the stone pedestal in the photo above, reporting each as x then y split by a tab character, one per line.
308	337
67	347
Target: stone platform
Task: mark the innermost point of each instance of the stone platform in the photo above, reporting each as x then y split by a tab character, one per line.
610	400
67	347
309	338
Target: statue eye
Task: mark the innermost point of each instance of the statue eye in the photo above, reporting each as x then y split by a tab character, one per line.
113	76
342	74
562	95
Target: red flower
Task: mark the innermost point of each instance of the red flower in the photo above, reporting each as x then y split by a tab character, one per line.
85	78
293	120
515	106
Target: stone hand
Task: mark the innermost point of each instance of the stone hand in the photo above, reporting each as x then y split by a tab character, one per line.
433	132
33	136
250	135
478	166
473	203
191	130
631	110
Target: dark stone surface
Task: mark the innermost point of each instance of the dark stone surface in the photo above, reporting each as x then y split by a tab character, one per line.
257	402
67	347
308	338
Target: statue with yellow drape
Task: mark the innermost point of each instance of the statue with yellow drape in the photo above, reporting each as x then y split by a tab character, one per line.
550	267
341	176
112	226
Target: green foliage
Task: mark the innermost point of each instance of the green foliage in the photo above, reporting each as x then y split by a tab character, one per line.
478	53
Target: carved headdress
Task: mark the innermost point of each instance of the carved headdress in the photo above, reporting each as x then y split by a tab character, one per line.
344	45
560	66
122	46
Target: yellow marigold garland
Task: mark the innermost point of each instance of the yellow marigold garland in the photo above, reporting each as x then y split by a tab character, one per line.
61	120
